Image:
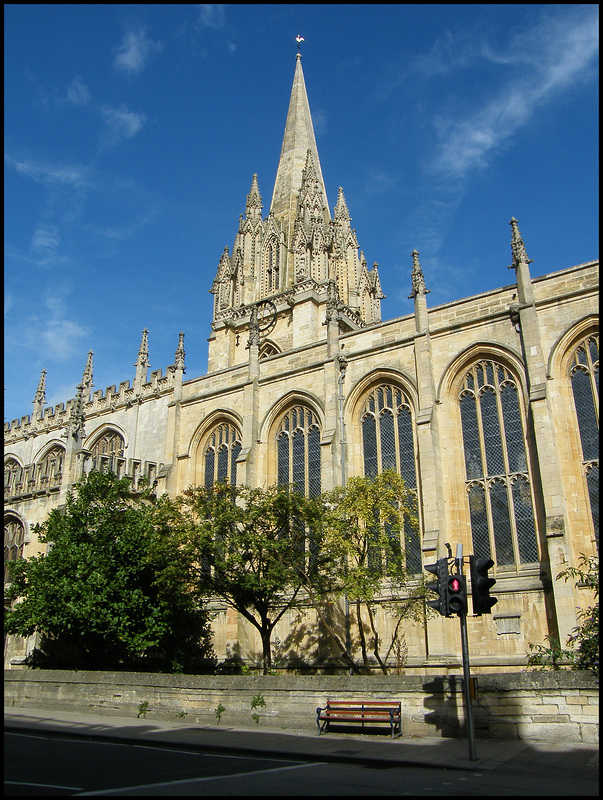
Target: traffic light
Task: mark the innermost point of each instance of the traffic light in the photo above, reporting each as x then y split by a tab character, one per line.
481	584
456	595
440	570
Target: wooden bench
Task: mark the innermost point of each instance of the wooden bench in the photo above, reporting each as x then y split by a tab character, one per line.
360	711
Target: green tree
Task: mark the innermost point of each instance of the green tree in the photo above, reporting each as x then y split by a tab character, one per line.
108	593
582	646
249	547
363	527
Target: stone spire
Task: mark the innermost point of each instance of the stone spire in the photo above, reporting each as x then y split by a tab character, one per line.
521	264
75	426
180	353
87	376
417	277
142	362
253	207
518	248
40	398
297	140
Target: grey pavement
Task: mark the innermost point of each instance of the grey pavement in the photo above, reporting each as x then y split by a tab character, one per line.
546	758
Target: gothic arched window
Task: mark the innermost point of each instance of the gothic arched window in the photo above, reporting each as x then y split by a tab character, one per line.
298	451
584	375
14	538
12	476
50	468
220	454
497	480
108	452
388	443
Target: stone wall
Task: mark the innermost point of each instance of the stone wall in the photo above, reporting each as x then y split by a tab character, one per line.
551	706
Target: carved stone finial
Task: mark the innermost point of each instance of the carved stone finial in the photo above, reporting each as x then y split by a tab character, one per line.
143	353
518	248
180	353
40	397
417	277
87	376
75	425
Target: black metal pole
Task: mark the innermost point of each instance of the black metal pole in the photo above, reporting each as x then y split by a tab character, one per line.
467	689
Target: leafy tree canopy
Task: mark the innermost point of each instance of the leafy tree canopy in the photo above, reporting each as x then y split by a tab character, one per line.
249	547
107	593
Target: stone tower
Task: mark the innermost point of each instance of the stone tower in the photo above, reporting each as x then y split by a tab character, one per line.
288	269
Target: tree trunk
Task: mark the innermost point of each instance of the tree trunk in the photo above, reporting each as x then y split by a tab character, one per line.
266	633
376	640
342	648
362	638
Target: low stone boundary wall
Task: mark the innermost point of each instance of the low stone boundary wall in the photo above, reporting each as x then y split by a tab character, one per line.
550	706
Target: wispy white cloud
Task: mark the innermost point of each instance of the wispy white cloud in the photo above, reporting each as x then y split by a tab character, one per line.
48	173
121	123
212	15
46	240
78	93
135	51
61	338
557	54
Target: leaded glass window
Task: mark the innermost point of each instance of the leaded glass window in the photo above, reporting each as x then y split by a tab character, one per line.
14	538
584	375
221	451
298	451
388	443
497	480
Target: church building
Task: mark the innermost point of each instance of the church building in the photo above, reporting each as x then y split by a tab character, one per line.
487	406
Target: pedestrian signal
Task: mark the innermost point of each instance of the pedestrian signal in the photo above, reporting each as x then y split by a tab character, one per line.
456	595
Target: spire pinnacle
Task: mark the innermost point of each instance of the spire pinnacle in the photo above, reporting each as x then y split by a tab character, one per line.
143	353
518	248
417	277
40	397
180	353
87	376
297	140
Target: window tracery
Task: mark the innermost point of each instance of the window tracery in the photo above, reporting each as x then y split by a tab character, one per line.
388	443
220	454
14	539
497	479
108	453
298	451
584	376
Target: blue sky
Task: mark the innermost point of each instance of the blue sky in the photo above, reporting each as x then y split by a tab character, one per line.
132	133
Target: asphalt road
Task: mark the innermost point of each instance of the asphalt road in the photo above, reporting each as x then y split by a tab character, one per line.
42	764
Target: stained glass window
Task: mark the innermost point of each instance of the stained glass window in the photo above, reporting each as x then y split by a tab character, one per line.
584	374
497	480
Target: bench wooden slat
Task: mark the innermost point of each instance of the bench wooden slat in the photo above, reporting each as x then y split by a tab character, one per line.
359	711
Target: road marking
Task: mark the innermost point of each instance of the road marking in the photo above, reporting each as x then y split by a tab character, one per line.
43	785
245	774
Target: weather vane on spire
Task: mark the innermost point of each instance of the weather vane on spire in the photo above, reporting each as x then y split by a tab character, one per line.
299	39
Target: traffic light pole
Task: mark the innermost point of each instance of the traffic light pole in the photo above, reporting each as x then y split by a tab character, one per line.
466	668
467	691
